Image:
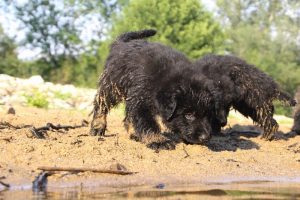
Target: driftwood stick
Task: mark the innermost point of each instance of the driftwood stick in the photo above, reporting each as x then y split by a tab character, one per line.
38	131
4	184
186	153
6	125
74	169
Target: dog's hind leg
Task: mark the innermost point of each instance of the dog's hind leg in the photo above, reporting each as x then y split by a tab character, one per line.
146	128
263	116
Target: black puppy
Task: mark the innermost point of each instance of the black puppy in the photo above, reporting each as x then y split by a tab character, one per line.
246	89
154	80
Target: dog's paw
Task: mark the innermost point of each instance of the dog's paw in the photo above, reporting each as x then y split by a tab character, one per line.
164	145
97	132
268	137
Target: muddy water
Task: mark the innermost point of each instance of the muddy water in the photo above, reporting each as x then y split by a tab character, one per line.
216	190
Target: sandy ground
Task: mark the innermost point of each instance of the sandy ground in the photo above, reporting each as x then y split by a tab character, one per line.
234	157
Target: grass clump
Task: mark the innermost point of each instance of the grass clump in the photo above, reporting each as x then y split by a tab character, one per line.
61	95
37	99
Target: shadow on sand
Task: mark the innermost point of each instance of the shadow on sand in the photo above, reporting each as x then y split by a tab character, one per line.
237	137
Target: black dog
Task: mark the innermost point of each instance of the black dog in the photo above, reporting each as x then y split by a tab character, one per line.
154	80
247	89
296	126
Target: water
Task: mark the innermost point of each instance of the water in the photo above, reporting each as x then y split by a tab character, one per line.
228	190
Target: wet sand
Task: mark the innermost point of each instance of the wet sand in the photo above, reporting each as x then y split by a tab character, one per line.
229	158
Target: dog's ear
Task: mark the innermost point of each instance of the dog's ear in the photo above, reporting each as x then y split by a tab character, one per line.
166	103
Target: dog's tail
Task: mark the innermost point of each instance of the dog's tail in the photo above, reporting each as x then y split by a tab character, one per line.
126	37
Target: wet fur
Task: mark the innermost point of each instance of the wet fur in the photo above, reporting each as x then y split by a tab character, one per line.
154	80
247	89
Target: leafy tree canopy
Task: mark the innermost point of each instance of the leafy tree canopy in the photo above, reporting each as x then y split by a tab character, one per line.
184	25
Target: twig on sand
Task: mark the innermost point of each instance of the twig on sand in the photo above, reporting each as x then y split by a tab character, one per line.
6	125
76	170
4	184
187	155
39	132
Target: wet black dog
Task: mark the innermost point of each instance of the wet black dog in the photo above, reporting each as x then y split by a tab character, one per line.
296	126
154	80
247	89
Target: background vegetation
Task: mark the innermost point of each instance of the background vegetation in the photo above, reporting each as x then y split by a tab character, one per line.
264	32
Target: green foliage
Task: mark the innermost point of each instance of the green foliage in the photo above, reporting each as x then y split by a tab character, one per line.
37	99
265	34
61	95
184	25
283	110
50	28
9	61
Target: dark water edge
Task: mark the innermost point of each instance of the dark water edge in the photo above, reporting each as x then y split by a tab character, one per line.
221	190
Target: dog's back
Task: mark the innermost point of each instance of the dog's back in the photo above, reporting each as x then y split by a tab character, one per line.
134	61
242	74
253	90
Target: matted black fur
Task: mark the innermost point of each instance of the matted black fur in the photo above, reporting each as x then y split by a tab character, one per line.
154	80
246	89
296	126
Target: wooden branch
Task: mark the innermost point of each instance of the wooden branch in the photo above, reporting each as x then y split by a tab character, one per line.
39	132
186	153
4	184
6	125
75	170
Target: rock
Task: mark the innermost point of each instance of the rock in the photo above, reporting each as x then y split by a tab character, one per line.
118	167
6	78
59	103
85	106
17	91
11	111
35	80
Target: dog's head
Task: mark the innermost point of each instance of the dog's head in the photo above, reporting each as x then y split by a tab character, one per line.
182	114
224	94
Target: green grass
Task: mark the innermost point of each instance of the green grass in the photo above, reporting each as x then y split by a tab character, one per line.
61	95
37	99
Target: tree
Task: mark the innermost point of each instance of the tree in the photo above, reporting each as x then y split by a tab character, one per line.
9	61
50	29
184	25
265	33
55	29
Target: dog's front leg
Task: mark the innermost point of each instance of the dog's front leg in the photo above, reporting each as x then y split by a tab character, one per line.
146	129
98	124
